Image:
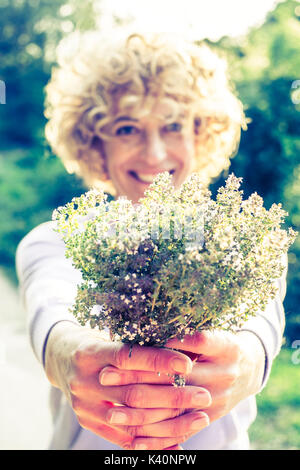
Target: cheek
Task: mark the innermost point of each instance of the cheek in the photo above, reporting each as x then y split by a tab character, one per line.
186	153
113	158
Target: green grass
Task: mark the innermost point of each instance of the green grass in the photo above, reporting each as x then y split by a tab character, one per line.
277	426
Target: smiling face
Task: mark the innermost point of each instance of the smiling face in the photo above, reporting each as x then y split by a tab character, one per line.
142	147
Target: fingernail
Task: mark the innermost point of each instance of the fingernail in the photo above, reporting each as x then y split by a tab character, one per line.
118	417
178	365
200	399
110	378
140	446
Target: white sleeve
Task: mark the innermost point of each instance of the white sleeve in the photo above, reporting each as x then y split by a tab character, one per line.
268	326
48	283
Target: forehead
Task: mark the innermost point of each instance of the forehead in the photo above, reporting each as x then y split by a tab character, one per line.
156	108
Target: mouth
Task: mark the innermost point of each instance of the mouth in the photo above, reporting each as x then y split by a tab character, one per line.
145	178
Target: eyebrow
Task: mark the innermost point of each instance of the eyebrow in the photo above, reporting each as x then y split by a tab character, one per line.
125	118
128	118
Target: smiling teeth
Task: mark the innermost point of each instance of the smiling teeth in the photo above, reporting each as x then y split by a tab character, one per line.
146	178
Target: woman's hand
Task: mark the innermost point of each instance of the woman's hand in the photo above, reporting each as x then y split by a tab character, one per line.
230	366
78	362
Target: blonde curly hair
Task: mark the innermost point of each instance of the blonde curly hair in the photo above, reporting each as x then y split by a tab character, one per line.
99	78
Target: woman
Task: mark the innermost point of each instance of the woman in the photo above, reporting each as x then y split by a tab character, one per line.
120	113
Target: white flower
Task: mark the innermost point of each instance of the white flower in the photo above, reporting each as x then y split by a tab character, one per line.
97	310
92	284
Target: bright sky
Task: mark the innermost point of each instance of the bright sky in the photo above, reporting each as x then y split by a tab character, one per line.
196	19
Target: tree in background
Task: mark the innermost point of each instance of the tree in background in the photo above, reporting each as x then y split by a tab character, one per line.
264	65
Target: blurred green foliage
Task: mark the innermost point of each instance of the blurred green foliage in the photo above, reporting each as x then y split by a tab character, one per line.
264	65
29	33
277	426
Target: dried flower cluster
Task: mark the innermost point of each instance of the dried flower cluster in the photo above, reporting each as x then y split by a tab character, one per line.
175	263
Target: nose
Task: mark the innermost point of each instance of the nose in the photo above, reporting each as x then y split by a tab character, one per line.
155	148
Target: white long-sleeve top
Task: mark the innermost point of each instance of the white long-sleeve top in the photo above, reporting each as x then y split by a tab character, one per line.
48	285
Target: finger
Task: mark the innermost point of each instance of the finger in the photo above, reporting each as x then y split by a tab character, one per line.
213	376
208	343
94	419
113	434
118	435
157	443
123	415
90	392
204	374
185	424
112	376
157	396
92	356
107	412
151	359
209	375
87	402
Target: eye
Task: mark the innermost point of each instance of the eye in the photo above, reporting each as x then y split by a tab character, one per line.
173	127
127	130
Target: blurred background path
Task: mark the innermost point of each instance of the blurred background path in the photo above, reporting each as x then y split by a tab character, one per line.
24	414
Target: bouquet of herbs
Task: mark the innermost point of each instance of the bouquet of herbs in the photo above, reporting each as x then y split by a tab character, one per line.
175	263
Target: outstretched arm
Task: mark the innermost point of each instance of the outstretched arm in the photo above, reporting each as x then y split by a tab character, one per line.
74	357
